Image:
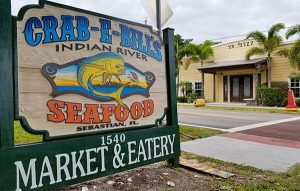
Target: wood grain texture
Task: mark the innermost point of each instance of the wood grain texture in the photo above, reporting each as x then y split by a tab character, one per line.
34	89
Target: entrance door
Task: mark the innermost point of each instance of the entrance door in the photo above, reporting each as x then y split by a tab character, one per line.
241	88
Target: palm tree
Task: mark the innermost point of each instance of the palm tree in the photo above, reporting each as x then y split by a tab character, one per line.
180	43
181	85
198	53
267	45
180	54
184	86
294	52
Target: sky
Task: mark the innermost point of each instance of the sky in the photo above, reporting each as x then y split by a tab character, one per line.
198	19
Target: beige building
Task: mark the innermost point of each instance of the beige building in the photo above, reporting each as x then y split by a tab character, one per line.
228	77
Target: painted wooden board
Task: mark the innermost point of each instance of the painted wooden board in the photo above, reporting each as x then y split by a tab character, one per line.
81	72
55	164
195	165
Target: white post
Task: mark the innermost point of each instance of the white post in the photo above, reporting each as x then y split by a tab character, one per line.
228	89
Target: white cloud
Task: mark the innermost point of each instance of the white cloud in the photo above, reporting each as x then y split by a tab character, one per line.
198	19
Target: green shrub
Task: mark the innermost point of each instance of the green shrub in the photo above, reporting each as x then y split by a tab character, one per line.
281	94
283	85
284	102
181	99
270	96
284	88
192	96
298	102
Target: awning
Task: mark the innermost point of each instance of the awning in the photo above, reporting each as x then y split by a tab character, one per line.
233	65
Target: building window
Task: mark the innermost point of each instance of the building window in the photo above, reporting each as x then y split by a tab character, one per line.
198	88
188	88
295	86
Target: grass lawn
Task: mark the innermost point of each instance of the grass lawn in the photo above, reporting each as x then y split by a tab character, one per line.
247	178
246	109
22	137
196	133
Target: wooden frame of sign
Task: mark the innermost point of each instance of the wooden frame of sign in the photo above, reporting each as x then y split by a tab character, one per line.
97	88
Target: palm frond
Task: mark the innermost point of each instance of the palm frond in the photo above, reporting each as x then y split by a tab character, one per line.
191	49
198	53
295	75
181	84
205	50
258	36
186	64
207	43
181	53
294	55
283	52
254	51
292	31
191	59
272	43
275	29
206	53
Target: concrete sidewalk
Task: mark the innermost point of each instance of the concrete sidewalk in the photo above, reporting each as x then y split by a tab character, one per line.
273	147
259	155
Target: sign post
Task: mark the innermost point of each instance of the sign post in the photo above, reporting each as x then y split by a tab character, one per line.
97	88
172	117
158	15
6	77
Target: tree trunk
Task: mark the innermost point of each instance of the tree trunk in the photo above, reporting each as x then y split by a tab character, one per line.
269	77
269	71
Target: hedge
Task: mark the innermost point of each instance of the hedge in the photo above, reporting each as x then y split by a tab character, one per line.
192	96
270	96
274	96
298	102
182	99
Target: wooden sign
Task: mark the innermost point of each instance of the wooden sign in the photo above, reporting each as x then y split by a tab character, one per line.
97	89
85	73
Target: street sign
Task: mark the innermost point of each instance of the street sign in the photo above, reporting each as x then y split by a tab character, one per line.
150	7
97	88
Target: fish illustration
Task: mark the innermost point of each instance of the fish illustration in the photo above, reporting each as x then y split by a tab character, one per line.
103	77
107	65
133	77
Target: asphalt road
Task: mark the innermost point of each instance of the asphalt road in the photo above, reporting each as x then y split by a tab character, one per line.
224	119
